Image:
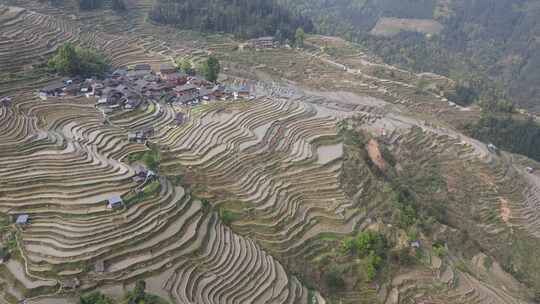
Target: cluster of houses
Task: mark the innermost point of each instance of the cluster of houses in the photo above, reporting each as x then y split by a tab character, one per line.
141	136
129	89
262	43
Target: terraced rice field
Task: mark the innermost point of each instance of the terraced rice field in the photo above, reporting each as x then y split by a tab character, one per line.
277	161
60	163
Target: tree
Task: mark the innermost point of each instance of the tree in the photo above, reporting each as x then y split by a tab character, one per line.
138	294
334	278
70	60
95	298
279	36
118	5
243	18
299	37
210	69
66	60
185	65
90	4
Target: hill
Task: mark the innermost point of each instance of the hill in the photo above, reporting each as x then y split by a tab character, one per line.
243	18
490	43
342	180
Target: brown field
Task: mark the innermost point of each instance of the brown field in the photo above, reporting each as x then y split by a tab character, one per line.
389	27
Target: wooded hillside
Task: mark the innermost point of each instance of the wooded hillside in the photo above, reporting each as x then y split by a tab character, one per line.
491	42
243	18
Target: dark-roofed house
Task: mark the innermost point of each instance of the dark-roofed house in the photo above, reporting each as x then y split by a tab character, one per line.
160	87
262	42
142	67
115	202
71	283
179	118
140	174
99	267
53	89
176	78
199	82
218	91
167	68
4	255
186	100
132	136
186	93
206	94
138	74
141	135
119	73
131	101
72	89
242	92
23	219
148	131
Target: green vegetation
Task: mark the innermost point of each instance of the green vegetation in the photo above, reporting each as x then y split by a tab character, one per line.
139	295
243	18
334	278
227	216
151	158
509	132
371	248
73	61
148	191
210	69
4	254
463	95
488	262
403	257
95	298
483	41
118	5
365	243
90	4
439	249
185	65
299	37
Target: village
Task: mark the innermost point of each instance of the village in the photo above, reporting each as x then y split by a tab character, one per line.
136	88
131	89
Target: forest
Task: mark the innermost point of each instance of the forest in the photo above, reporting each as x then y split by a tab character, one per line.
513	134
243	18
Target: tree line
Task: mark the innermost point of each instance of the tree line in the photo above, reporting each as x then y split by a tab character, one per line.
509	132
117	5
243	18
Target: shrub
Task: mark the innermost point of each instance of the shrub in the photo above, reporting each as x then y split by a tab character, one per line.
403	257
463	96
372	264
118	5
210	69
365	243
439	249
227	216
334	279
95	297
488	262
